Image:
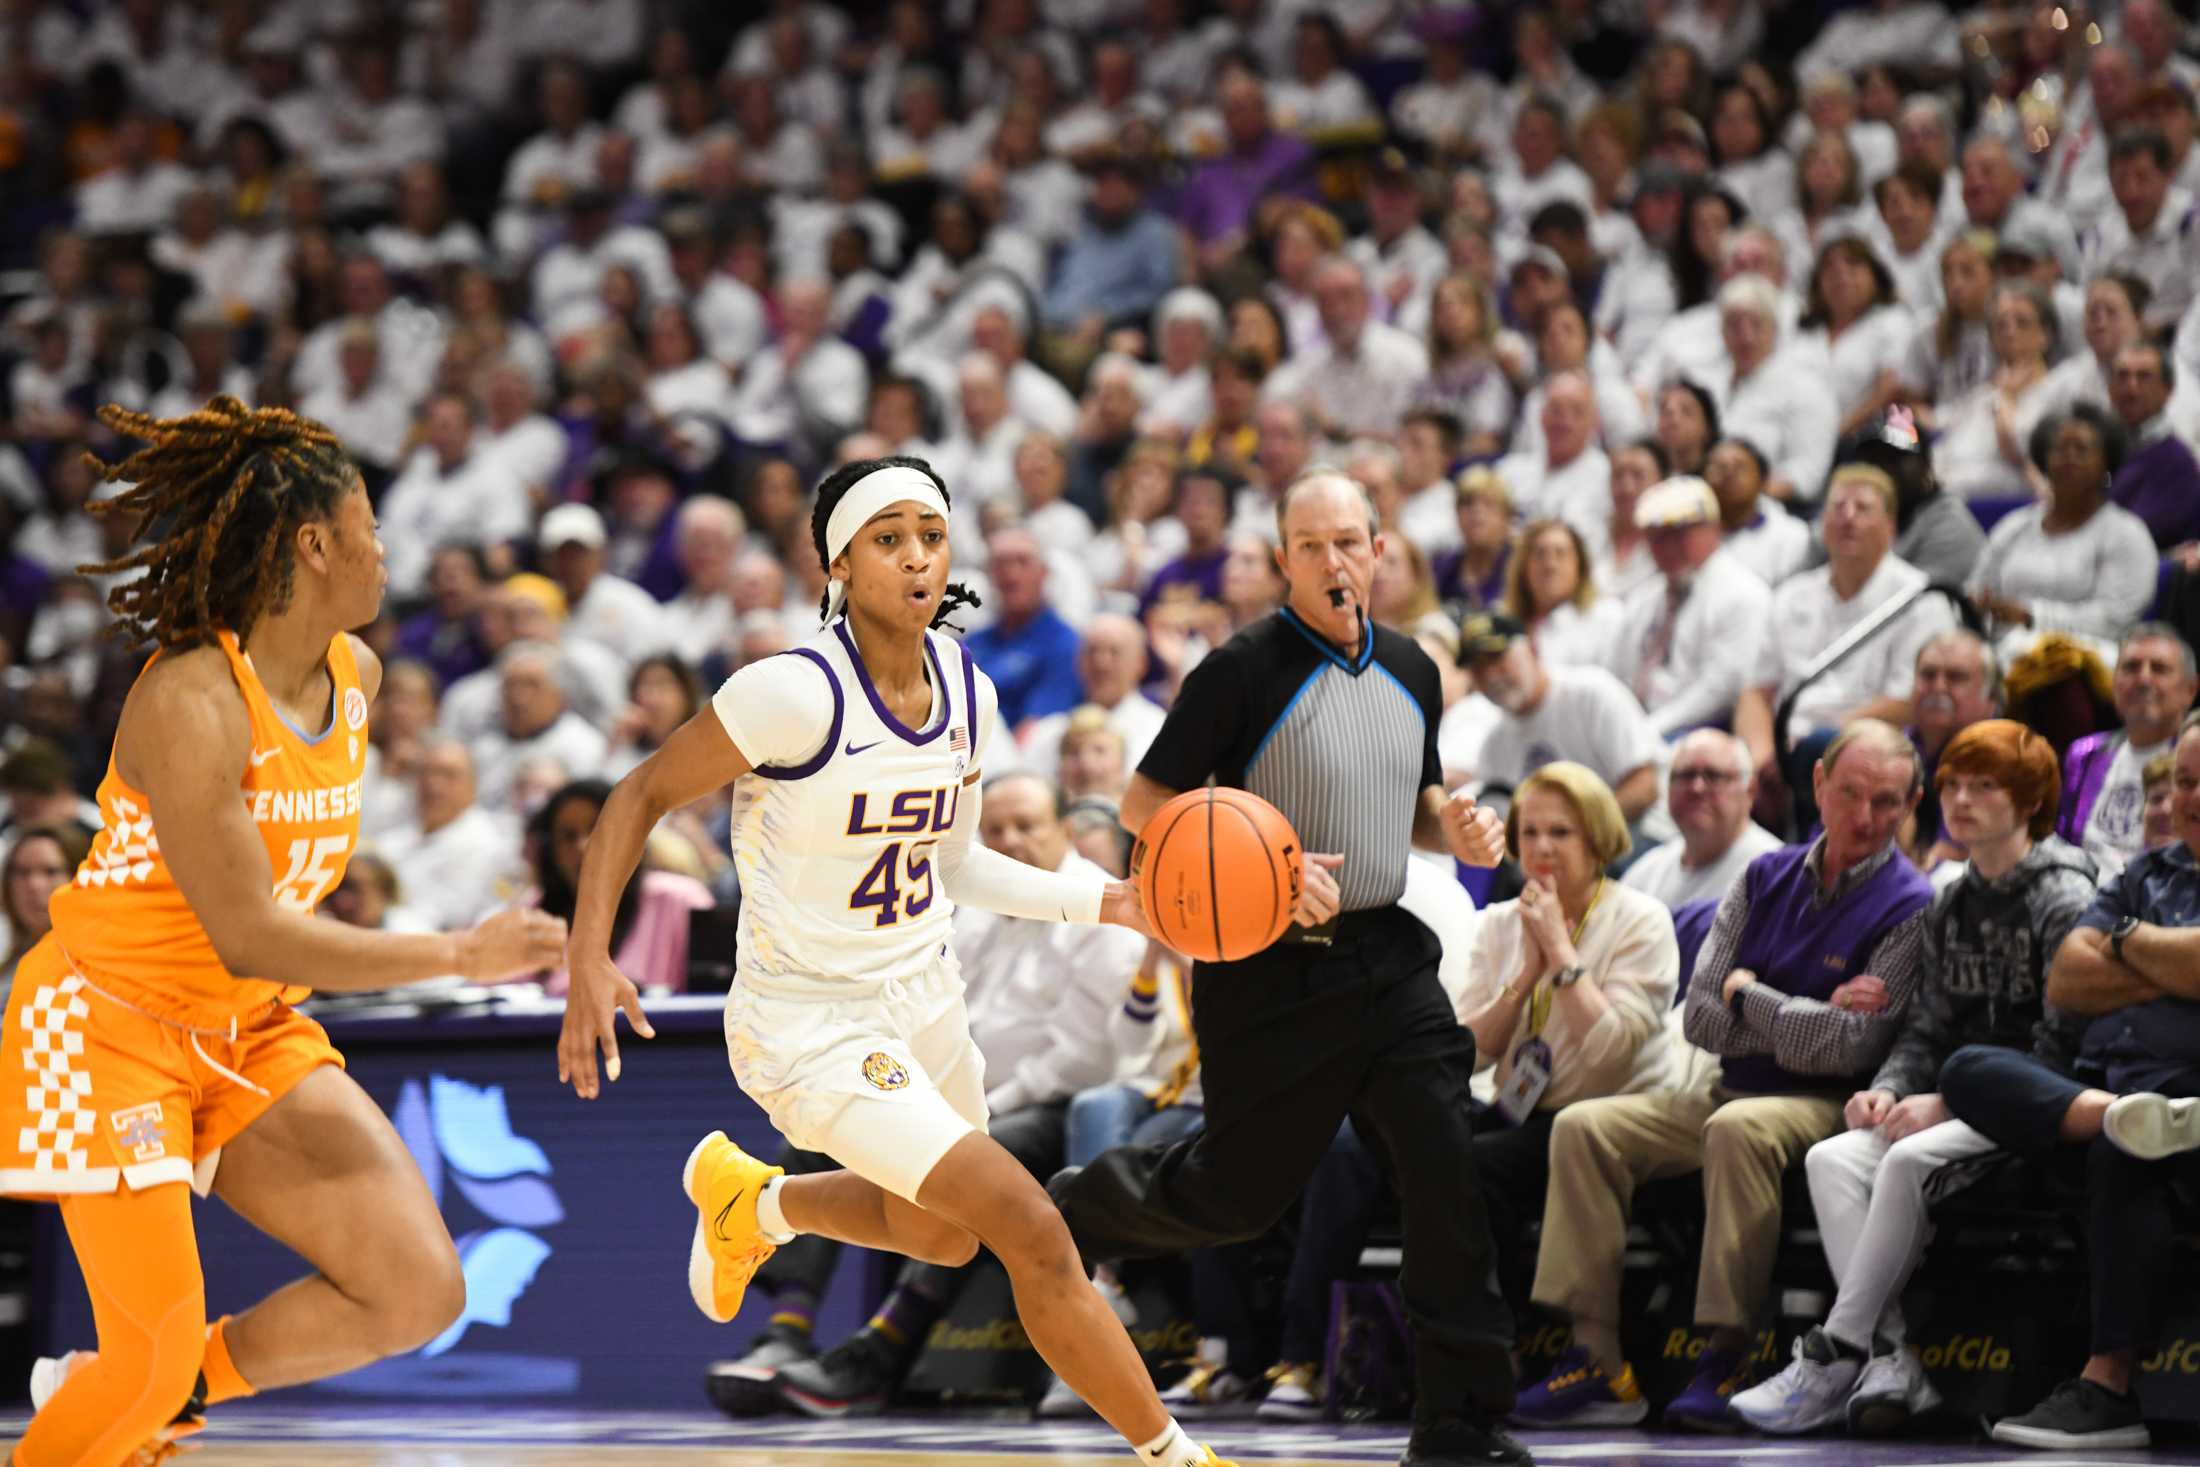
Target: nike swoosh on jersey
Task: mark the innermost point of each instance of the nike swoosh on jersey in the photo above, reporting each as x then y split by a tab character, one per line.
261	756
720	1225
859	748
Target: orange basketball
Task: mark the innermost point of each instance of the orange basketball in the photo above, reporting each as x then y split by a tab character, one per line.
1218	871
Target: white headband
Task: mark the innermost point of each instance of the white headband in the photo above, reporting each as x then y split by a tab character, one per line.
875	491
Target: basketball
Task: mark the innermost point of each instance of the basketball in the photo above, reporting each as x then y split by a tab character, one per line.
1218	871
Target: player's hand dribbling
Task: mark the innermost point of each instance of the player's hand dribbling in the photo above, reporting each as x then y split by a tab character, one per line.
1475	835
1319	895
597	992
512	944
1119	905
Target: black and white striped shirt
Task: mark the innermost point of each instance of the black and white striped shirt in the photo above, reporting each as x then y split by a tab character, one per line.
1342	744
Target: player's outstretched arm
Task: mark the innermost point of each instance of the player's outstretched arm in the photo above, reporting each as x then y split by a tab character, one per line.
184	741
699	758
974	875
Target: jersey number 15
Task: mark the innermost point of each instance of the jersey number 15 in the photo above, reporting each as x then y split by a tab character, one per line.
882	886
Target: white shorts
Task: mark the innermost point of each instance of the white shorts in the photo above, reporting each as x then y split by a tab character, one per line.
884	1085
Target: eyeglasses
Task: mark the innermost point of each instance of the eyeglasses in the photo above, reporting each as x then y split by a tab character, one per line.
1712	777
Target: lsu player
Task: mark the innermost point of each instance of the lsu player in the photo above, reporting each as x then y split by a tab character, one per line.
856	760
150	1045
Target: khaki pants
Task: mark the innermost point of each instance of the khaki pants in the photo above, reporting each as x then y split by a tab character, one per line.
1601	1150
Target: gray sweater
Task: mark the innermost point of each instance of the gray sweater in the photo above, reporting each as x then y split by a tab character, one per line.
1982	977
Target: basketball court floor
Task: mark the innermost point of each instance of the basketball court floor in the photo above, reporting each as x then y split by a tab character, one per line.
257	1435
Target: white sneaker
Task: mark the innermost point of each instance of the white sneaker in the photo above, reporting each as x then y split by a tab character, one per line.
1892	1391
1118	1302
1210	1390
1060	1403
2151	1126
1809	1394
1294	1395
48	1372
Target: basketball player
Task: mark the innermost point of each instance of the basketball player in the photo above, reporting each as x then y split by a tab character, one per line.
855	761
150	1044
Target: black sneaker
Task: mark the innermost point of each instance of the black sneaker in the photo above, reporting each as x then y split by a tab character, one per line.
1462	1443
856	1378
2077	1416
749	1386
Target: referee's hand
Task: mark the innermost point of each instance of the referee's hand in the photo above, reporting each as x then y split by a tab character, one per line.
1475	835
1319	895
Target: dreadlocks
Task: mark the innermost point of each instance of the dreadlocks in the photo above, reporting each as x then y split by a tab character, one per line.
219	494
836	486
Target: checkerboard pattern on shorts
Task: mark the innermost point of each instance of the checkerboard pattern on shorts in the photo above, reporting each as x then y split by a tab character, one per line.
60	1091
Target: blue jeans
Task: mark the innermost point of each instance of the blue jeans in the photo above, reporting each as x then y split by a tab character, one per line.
1108	1116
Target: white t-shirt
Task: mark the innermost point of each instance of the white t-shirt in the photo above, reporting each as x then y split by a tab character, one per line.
1662	873
1587	716
453	877
2115	829
1807	618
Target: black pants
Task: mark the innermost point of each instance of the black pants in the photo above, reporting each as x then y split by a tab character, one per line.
1291	1042
1033	1135
2129	1203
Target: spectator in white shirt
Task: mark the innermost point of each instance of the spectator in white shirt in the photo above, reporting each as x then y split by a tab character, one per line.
366	131
410	337
551	165
232	269
706	539
369	415
1980	453
1550	713
2151	233
1813	610
924	139
137	193
1760	533
1707	795
1908	231
728	313
1448	108
1320	95
1691	639
211	370
532	722
1111	663
1853	321
455	859
452	492
1994	198
602	608
1751	164
529	442
1551	590
2075	563
1187	328
425	238
1571	479
1915	33
806	387
1539	172
1774	397
979	457
1361	380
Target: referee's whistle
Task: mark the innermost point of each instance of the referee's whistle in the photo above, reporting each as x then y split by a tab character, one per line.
1336	597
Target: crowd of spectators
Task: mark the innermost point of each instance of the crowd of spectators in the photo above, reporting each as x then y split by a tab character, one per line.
1672	344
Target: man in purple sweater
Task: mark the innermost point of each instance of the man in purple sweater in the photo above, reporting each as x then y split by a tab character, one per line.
1217	204
2159	481
1799	993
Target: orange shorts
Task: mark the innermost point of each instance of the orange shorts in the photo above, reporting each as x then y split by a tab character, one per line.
95	1094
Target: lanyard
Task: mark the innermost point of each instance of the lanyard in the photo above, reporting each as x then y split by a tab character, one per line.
1539	1002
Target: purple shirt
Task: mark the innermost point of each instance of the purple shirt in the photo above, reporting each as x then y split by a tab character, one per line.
1479	595
1203	573
2160	483
1220	196
1807	950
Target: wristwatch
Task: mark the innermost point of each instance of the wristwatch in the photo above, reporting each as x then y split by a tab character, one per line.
2118	933
1567	976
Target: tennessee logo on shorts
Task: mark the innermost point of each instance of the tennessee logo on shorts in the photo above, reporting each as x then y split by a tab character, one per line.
884	1072
137	1131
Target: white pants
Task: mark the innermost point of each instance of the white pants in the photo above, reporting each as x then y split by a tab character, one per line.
884	1084
1870	1200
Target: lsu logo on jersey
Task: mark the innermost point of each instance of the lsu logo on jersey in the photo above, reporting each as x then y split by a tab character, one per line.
883	1072
912	812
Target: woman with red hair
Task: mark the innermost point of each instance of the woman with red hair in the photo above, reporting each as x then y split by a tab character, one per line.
1988	939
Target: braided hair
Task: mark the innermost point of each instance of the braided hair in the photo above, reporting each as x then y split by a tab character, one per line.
836	486
221	493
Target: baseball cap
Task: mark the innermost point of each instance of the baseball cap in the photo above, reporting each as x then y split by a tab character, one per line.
571	524
1541	256
1488	634
1676	504
2030	239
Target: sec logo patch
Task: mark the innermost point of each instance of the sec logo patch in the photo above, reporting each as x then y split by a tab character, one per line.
884	1072
355	708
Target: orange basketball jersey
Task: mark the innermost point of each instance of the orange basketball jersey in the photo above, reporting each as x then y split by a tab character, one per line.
124	924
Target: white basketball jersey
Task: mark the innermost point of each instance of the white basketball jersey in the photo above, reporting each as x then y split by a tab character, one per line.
834	847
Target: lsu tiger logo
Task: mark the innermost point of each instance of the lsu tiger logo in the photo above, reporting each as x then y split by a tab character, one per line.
883	1072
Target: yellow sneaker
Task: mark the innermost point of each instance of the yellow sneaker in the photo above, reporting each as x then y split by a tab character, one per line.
724	1182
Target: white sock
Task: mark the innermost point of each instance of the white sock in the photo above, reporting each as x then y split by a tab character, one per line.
1172	1449
769	1218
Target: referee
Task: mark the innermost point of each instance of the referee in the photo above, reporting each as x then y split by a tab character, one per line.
1333	721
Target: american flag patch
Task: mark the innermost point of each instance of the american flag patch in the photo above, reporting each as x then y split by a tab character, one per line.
958	740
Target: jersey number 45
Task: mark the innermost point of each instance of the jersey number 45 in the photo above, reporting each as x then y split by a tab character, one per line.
883	886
